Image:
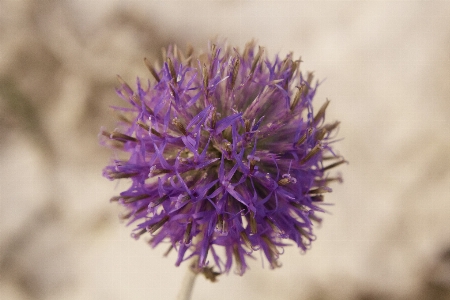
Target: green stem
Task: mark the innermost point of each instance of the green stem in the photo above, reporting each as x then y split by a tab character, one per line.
187	285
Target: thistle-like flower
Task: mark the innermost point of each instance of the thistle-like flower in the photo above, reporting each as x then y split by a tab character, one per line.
225	155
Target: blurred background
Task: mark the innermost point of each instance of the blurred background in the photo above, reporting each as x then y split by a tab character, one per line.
386	66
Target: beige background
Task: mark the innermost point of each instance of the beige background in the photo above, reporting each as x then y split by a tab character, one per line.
387	71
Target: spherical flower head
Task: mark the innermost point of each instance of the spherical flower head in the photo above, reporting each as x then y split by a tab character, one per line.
225	154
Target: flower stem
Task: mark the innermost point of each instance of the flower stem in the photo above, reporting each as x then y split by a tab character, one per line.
188	283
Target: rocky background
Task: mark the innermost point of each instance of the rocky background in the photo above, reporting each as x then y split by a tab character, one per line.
387	71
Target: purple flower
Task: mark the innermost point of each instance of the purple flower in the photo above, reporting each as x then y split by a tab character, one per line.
225	155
